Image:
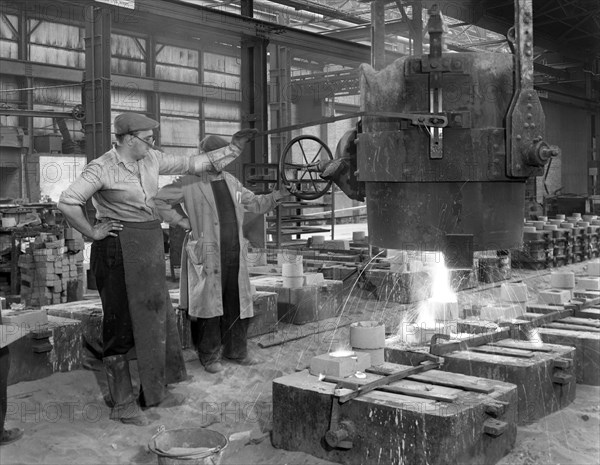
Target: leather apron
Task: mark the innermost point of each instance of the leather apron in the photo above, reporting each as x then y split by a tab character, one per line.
158	347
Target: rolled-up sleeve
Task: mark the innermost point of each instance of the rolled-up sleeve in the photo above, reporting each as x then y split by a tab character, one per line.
169	163
198	163
257	203
85	186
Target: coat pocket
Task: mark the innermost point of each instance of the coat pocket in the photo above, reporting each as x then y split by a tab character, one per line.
194	252
196	273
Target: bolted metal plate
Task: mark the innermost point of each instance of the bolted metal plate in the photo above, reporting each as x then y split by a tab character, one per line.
398	156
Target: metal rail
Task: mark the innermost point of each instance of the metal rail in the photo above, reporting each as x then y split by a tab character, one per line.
417	119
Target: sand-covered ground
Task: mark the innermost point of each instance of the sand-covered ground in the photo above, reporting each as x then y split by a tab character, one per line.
65	416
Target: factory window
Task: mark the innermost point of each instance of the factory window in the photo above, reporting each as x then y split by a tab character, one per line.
221	63
179	132
222	81
221	109
9	36
128	97
128	55
182	105
221	71
56	43
221	128
177	63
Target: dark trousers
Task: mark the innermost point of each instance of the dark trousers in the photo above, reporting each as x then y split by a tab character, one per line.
229	330
107	264
4	367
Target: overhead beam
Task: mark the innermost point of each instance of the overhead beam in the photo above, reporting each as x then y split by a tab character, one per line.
322	10
35	113
193	18
397	27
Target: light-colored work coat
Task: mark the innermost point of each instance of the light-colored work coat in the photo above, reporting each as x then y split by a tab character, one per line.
200	285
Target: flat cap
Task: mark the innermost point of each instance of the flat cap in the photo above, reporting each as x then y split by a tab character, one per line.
126	123
210	143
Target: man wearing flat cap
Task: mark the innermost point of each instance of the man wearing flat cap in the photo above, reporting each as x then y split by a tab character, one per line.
128	259
215	284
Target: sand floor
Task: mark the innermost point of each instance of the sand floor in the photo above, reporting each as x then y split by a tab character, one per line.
65	416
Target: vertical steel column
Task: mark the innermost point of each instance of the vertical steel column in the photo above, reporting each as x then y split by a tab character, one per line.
595	155
153	97
280	99
26	96
254	90
378	34
96	84
254	107
254	96
417	28
594	134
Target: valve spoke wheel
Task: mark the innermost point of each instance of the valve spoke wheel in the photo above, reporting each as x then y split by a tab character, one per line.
299	165
78	112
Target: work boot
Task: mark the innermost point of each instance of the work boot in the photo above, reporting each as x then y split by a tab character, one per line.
246	361
214	367
124	403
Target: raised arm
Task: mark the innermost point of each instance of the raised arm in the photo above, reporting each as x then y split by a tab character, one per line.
256	203
215	160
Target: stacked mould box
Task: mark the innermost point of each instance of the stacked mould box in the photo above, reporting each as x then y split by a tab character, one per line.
552	229
538	247
559	235
590	235
595	236
563	240
585	239
52	269
578	251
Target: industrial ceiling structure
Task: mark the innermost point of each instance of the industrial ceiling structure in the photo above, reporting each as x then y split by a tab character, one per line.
566	32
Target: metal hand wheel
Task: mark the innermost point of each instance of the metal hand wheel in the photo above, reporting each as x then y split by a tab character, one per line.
299	165
78	112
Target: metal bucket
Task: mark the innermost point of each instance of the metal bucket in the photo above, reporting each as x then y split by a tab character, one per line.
188	446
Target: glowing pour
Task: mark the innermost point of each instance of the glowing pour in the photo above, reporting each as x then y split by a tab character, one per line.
533	336
438	313
341	353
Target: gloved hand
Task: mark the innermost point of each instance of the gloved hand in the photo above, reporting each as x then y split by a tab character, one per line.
285	191
242	137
